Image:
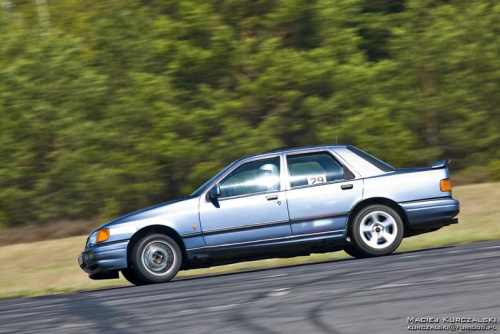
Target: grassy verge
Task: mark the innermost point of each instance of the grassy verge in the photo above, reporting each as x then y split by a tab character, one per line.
48	267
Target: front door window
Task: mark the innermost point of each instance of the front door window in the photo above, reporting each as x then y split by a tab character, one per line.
252	178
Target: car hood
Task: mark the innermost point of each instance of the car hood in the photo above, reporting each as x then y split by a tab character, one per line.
152	211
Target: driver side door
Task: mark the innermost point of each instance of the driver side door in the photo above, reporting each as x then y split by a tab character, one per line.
251	206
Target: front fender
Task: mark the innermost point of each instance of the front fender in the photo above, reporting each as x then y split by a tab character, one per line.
181	216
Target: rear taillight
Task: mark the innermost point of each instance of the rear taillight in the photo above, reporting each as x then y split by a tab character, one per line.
445	185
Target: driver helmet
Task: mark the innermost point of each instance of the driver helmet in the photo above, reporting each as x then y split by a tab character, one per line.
268	170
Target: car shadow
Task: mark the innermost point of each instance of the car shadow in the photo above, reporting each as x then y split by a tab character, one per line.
423	250
256	270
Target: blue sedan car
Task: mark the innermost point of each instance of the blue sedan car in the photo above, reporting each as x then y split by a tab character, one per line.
282	203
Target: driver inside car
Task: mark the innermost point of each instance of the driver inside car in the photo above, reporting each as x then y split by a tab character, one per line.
269	177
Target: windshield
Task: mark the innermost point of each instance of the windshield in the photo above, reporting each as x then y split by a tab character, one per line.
205	185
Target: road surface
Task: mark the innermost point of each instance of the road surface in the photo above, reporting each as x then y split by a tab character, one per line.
377	295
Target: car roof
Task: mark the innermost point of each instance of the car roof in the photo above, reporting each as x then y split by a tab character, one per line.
296	149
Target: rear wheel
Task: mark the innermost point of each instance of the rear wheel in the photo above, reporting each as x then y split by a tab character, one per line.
351	250
156	258
376	230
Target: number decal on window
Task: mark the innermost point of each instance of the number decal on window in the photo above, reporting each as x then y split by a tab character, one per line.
316	179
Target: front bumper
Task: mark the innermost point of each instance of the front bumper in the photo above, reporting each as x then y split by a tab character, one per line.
433	213
104	261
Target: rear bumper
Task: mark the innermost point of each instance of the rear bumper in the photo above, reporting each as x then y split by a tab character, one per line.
431	213
104	261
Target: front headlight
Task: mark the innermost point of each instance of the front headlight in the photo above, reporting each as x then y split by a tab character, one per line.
92	239
98	236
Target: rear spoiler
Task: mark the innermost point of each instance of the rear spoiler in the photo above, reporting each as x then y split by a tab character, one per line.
441	164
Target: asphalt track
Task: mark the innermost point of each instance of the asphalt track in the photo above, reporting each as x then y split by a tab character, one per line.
343	296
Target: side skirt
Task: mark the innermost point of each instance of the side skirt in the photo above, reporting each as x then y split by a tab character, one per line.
209	256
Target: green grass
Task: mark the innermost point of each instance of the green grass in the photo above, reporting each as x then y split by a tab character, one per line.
49	267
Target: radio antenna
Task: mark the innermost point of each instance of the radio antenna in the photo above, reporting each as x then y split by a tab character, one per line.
336	127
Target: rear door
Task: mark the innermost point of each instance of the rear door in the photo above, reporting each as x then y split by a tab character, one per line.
320	192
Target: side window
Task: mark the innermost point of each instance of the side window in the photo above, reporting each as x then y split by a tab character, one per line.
252	177
313	168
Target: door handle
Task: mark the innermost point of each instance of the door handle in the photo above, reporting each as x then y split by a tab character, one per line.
346	186
272	197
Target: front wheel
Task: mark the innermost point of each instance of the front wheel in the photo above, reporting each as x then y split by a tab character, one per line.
131	276
377	230
156	258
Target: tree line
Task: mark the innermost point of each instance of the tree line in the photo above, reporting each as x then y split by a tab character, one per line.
110	106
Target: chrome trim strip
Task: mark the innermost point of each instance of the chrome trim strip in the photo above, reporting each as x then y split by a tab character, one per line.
244	227
432	199
277	222
190	234
431	207
338	215
334	233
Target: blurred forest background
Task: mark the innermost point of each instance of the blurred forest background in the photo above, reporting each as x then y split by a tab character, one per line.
109	106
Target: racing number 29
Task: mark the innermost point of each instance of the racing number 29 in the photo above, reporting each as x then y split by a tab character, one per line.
316	179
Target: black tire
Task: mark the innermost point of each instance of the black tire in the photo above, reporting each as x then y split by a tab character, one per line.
131	276
156	258
383	231
351	250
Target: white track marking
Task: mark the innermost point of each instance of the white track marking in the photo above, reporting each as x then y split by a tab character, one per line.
220	307
277	275
279	292
478	275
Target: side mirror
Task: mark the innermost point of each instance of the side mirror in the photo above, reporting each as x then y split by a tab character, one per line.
214	193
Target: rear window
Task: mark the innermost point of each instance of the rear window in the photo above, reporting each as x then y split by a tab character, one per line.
313	168
371	159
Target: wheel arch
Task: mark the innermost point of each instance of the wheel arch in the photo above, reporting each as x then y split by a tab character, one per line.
372	201
162	229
